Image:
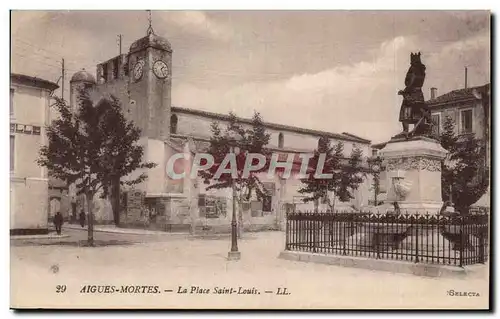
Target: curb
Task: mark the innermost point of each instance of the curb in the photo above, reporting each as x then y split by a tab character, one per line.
20	237
393	266
126	231
131	231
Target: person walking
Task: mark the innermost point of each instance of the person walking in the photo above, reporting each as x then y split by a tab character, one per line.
82	218
58	221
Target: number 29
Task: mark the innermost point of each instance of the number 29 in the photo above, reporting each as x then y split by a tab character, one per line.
60	288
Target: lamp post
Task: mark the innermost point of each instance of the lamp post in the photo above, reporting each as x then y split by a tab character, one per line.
375	168
234	254
376	171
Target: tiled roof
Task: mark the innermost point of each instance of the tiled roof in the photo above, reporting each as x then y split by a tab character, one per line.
379	146
344	136
33	81
460	94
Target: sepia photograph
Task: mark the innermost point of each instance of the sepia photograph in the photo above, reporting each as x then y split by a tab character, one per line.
252	160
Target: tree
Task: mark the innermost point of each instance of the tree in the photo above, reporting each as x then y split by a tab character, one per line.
346	177
92	148
317	189
464	177
251	140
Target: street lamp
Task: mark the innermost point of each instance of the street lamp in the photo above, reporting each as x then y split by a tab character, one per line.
234	254
375	168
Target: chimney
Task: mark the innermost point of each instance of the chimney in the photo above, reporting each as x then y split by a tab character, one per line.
433	93
465	77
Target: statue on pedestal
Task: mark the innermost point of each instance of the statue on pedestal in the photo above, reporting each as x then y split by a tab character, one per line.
414	109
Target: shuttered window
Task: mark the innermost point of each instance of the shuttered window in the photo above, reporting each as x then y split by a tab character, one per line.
466	121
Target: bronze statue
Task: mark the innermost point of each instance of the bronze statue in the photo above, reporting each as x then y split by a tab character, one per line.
413	109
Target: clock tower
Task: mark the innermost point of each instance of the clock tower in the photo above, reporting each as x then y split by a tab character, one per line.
150	83
149	65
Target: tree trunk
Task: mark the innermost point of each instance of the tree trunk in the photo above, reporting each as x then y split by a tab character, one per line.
240	219
332	203
462	210
90	220
115	201
316	206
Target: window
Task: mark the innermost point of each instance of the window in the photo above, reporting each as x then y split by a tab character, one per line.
374	152
269	187
12	152
105	72
11	101
436	124
256	208
116	66
267	202
155	207
466	121
265	205
281	140
173	124
212	206
259	207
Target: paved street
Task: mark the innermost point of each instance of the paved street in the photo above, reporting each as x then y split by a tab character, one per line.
173	260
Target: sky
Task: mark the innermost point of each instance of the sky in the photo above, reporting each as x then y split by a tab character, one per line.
337	71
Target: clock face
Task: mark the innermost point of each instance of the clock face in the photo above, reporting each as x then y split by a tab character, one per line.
138	69
160	69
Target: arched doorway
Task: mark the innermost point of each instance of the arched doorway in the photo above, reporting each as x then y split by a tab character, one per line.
55	206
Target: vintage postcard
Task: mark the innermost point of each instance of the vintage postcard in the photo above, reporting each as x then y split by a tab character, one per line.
250	159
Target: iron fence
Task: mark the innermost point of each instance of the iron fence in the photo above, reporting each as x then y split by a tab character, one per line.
433	239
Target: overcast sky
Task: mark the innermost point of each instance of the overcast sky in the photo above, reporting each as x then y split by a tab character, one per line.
329	70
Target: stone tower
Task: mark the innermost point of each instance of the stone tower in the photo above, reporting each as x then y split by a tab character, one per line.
149	65
142	81
81	80
149	89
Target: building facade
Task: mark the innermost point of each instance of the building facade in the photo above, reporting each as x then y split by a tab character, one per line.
29	117
470	110
142	81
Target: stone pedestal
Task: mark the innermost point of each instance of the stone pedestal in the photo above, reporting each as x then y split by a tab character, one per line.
414	174
428	243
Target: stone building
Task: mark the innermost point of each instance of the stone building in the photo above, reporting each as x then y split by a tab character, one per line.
470	110
29	116
142	81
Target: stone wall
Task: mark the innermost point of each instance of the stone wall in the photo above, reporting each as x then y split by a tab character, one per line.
29	205
199	126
